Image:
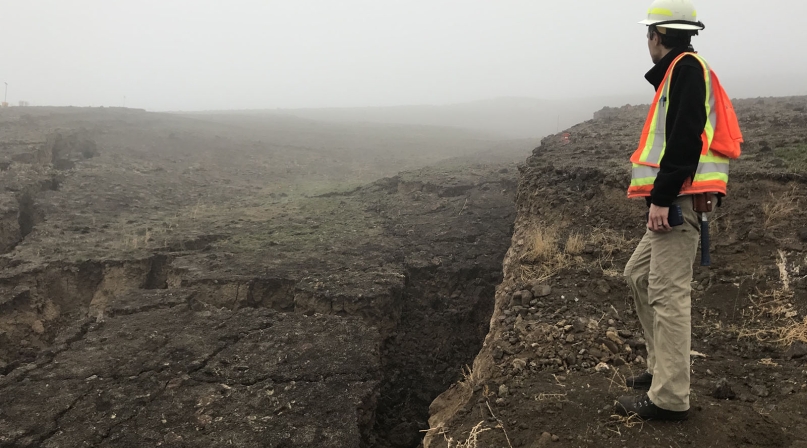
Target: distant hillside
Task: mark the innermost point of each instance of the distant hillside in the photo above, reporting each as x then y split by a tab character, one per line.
509	117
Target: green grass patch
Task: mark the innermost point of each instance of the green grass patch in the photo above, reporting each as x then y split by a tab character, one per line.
794	156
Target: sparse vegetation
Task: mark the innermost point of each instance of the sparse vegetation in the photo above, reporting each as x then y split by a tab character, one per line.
795	332
543	257
621	421
551	397
469	377
770	316
720	226
610	243
794	156
472	441
778	209
542	245
575	244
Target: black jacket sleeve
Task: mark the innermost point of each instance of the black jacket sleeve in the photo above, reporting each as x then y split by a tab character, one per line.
686	118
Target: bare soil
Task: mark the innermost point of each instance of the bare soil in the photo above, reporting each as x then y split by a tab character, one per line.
244	281
554	362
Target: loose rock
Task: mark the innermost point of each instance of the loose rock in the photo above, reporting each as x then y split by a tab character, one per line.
544	441
760	391
504	390
613	348
613	336
723	390
755	235
541	290
796	351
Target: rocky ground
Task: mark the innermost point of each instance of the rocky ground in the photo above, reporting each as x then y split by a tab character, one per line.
564	333
211	281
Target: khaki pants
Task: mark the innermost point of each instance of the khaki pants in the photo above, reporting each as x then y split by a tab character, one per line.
660	274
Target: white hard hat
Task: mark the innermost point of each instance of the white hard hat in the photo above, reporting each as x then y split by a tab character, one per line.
673	14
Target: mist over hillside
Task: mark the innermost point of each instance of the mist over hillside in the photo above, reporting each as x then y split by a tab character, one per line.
507	117
524	117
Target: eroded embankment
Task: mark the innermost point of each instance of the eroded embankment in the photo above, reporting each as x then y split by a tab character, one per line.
432	322
564	334
156	327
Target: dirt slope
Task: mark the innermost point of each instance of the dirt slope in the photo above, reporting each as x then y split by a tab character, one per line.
564	334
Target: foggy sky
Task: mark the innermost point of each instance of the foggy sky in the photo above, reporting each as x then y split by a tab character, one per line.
254	54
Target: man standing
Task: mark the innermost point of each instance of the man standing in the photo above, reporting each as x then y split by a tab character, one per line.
680	167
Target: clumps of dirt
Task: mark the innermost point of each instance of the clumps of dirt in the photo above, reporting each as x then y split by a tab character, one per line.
67	149
561	341
196	378
564	334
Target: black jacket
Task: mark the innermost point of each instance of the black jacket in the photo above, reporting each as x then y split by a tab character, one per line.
686	118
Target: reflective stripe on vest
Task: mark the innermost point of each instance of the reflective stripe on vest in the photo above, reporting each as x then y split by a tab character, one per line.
645	176
655	141
712	172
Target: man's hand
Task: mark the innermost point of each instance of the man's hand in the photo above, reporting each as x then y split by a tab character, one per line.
657	219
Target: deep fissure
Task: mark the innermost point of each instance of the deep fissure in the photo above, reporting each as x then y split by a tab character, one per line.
444	317
443	323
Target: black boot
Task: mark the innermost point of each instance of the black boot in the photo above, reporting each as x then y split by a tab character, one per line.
641	406
640	382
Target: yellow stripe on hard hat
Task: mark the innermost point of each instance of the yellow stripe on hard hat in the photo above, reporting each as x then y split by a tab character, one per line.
694	13
660	12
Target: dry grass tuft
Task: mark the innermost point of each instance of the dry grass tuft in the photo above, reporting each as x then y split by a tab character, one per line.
575	244
777	210
770	318
720	225
610	244
796	332
617	381
472	441
542	245
774	304
500	426
543	258
785	335
610	241
620	421
546	254
469	377
551	397
768	362
781	263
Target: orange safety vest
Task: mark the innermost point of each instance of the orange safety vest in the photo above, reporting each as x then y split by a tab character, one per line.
721	139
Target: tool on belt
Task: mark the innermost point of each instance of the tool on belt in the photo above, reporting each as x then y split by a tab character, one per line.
702	204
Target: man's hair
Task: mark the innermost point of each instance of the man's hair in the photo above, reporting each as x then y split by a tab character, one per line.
673	38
